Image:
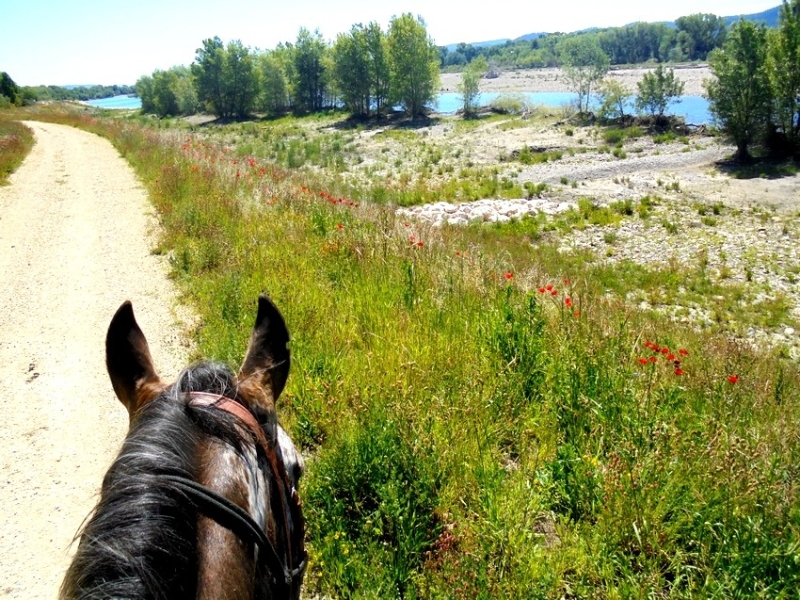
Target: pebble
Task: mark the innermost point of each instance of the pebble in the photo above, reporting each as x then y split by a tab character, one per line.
486	211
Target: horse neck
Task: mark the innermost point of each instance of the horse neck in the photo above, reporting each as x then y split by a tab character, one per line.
227	569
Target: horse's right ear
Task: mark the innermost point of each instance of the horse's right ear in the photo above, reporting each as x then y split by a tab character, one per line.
129	364
267	361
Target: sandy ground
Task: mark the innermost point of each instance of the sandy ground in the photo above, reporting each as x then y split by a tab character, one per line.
552	80
75	237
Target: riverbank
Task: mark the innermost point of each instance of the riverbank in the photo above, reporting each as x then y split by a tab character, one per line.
553	80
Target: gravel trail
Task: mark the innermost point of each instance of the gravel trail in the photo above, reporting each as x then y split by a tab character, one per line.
76	231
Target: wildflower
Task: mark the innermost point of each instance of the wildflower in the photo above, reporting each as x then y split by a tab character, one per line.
568	302
643	361
339	226
652	359
509	276
542	290
665	350
679	371
548	287
554	293
420	244
577	313
566	282
671	357
458	252
733	378
683	352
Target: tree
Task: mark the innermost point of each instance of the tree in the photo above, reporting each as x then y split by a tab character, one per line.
784	72
657	90
207	70
351	70
240	80
144	89
225	78
739	94
379	75
9	89
184	90
704	32
165	102
274	97
613	99
413	63
584	64
470	84
310	83
168	93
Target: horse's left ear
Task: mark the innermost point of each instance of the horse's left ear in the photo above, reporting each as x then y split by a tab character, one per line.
267	361
129	364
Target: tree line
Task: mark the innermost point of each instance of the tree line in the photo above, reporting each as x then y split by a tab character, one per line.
13	94
367	70
690	39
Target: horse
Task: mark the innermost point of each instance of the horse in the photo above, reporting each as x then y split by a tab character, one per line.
201	501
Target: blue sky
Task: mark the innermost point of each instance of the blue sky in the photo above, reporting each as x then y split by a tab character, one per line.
62	42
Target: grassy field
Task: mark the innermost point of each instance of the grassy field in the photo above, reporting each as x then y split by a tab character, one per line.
483	416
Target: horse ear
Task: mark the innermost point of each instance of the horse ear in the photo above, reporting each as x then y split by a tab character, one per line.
129	364
268	358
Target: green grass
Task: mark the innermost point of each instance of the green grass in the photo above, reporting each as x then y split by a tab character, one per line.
16	141
481	412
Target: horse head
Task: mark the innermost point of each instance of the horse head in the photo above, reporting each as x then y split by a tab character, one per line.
201	501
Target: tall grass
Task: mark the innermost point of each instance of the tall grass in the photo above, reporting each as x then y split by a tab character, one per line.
16	141
483	421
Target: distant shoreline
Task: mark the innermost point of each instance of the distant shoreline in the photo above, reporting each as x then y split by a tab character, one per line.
552	80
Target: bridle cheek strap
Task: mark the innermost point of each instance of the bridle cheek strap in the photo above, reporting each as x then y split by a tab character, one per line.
209	497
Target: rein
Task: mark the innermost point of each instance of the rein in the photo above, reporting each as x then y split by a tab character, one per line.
231	515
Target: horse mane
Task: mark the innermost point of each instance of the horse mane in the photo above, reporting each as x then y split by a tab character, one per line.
140	541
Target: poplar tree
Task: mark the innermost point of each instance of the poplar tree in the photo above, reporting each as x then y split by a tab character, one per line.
739	94
413	63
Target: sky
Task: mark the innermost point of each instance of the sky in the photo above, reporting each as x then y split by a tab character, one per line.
81	42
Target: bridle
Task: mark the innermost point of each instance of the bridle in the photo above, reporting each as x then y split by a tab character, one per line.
234	517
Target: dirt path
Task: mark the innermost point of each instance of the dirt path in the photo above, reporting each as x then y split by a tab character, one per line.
75	238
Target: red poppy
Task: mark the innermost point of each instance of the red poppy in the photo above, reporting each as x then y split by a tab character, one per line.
679	371
339	226
566	282
548	287
577	313
648	344
542	290
683	352
671	357
652	359
665	350
733	378
568	302
420	244
643	361
509	276
554	293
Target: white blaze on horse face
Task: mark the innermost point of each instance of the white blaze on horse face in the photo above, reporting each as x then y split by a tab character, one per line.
292	459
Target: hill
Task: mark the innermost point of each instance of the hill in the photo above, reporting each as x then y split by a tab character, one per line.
769	17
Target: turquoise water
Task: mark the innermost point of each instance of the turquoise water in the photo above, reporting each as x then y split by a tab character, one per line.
694	109
126	102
